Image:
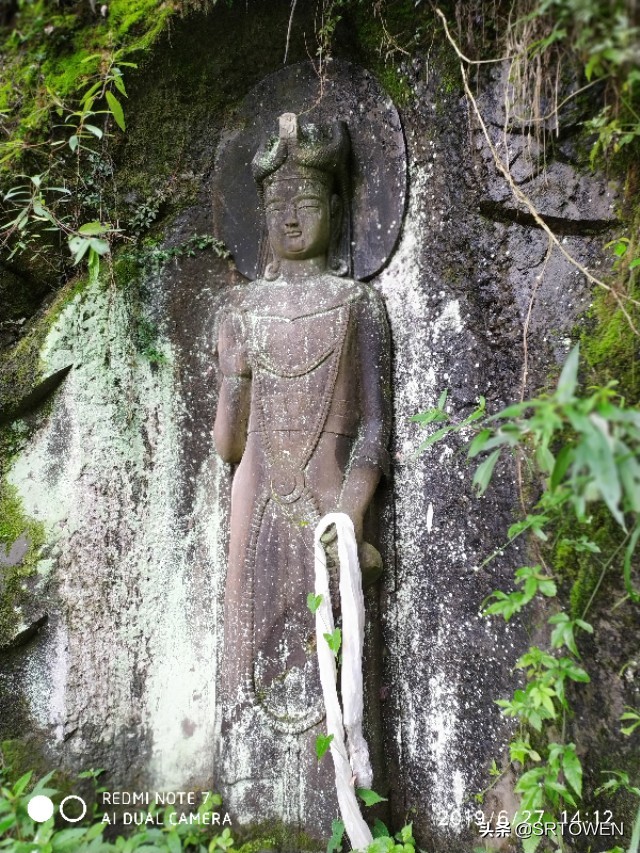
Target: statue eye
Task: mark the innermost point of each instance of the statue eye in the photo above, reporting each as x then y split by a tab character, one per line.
276	207
308	204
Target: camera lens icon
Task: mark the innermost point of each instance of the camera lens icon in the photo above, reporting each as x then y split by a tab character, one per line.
41	808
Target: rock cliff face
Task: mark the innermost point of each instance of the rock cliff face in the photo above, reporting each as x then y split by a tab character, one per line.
118	471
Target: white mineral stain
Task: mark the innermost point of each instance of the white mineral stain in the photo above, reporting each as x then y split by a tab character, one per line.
46	682
443	718
430	518
449	321
132	659
431	718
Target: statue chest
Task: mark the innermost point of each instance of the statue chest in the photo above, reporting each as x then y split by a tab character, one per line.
296	347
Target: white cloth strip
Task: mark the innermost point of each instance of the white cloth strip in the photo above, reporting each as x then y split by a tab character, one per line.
357	765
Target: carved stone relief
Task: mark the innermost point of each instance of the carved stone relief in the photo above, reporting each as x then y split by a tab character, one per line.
304	412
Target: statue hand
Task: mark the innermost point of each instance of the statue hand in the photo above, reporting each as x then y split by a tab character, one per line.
330	535
357	518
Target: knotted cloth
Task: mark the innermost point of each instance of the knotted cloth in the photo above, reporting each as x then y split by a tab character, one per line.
351	761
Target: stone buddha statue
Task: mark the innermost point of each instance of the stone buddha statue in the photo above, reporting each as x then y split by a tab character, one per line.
304	413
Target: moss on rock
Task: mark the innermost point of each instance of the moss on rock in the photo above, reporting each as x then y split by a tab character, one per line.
277	836
50	55
20	367
13	525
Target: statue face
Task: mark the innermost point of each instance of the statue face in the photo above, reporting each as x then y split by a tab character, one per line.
298	218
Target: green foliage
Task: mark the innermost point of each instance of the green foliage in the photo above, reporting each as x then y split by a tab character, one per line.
630	715
20	834
603	36
370	798
38	208
334	640
323	742
383	842
599	448
70	49
55	163
152	259
13	523
337	835
313	602
583	454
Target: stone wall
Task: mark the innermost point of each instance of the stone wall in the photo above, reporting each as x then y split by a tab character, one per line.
120	469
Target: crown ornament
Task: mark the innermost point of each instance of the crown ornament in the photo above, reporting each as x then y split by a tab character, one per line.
316	152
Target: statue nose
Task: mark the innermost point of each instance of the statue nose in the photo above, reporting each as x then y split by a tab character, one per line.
292	215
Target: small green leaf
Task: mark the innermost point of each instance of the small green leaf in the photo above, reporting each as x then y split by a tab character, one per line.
406	834
429	417
380	829
93	229
88	95
93	264
100	247
94	831
484	472
563	460
572	768
313	601
78	247
548	587
323	742
334	640
22	783
569	377
118	82
337	833
632	715
370	798
116	110
94	130
478	443
173	842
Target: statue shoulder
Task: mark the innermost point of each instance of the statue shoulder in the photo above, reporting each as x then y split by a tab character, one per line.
368	298
344	289
233	299
255	294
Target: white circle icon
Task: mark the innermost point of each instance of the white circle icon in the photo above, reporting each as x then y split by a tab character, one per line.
73	819
40	808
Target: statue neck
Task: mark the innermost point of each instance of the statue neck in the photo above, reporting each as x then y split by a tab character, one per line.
291	270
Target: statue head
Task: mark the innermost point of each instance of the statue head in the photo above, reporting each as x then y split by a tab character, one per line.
302	182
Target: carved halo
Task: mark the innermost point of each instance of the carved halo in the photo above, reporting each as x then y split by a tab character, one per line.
376	168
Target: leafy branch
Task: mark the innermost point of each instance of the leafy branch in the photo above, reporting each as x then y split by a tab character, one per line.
584	453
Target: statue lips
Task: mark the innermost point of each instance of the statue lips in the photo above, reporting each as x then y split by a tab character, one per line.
293	237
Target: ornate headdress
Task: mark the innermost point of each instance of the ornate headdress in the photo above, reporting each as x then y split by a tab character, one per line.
316	152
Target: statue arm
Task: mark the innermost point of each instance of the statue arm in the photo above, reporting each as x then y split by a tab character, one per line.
369	456
232	415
